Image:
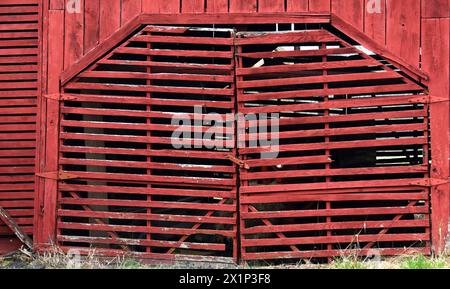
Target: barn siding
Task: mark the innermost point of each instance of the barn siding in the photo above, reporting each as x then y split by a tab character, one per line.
397	20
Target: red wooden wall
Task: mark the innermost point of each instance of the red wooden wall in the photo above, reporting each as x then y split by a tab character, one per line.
401	26
416	31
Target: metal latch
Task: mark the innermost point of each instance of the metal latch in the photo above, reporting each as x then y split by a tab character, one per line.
242	164
61	97
429	99
57	176
430	182
53	96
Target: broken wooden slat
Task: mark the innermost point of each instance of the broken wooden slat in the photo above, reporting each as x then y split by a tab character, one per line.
9	221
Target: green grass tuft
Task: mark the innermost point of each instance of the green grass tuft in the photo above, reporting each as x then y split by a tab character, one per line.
422	262
349	264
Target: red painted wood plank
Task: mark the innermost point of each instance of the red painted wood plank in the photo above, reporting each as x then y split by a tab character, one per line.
247	6
109	17
436	55
55	67
91	24
271	6
403	30
297	5
436	61
375	22
435	8
333	253
130	9
319	5
351	11
192	6
217	6
74	34
165	6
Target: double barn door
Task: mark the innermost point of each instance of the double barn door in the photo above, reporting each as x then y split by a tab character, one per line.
208	142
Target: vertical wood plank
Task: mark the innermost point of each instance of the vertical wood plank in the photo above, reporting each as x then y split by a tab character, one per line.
352	11
435	8
166	6
192	6
436	61
38	239
217	6
130	9
91	24
57	4
436	55
403	29
109	17
74	36
297	5
439	127
271	6
247	6
319	5
375	23
55	67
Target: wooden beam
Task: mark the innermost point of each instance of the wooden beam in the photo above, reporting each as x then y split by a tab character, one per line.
9	221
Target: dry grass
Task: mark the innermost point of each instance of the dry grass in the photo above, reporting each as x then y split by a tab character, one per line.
56	259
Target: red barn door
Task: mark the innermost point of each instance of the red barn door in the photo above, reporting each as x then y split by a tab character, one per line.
347	167
19	51
353	154
132	190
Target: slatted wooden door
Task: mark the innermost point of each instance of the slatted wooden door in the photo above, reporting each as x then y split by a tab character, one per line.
350	174
353	150
19	30
132	191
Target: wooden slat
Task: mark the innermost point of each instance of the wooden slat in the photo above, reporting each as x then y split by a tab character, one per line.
92	24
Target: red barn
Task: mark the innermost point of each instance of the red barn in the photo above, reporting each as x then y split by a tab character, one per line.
355	94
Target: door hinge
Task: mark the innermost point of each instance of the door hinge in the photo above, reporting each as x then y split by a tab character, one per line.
436	99
242	164
58	176
53	96
428	99
430	182
60	96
